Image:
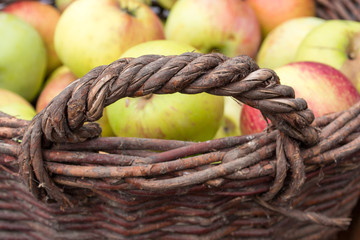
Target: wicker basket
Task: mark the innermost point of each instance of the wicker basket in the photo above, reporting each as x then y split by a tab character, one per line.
300	179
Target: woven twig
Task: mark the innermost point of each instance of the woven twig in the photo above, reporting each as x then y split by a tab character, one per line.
57	150
83	101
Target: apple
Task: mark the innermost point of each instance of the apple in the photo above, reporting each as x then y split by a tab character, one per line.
336	43
272	13
22	57
167	116
230	125
227	26
63	4
34	13
280	45
57	81
167	4
96	32
15	105
324	88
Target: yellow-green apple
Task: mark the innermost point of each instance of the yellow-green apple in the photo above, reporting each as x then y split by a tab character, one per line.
96	32
230	124
336	43
43	17
324	88
167	4
272	13
227	26
57	81
63	4
22	57
168	116
280	45
15	105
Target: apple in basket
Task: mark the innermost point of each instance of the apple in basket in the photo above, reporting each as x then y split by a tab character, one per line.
336	43
96	32
22	57
34	13
226	26
168	116
63	4
15	105
280	45
57	81
324	88
230	125
272	13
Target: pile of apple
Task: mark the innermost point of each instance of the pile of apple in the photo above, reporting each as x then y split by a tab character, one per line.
44	47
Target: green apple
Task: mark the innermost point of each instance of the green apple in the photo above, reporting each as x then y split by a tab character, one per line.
15	105
22	57
227	26
280	45
96	32
168	116
324	88
230	124
34	13
336	43
272	13
167	4
57	81
63	4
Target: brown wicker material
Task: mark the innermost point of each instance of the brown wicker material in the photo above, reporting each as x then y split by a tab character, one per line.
338	9
299	179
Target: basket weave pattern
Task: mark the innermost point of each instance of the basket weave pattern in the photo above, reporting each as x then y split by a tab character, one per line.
264	182
299	179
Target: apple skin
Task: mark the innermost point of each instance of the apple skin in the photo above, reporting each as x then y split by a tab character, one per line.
63	4
272	13
34	13
167	4
167	116
96	32
226	26
341	49
324	88
57	81
280	45
15	105
22	57
230	125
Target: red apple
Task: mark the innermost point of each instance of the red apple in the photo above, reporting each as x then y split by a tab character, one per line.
324	88
226	26
271	13
43	17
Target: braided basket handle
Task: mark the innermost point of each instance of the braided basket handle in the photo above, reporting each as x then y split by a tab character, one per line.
84	100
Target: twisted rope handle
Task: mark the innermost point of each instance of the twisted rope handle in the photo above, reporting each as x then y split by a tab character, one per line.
84	100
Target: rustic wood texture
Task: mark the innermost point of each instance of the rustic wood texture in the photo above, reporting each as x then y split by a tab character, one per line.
299	179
